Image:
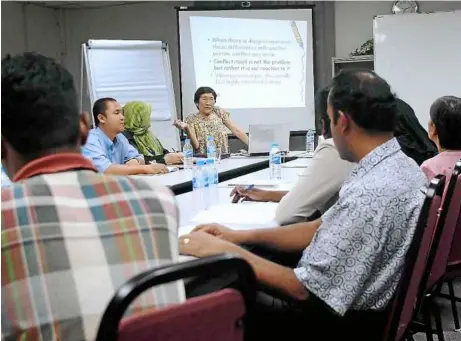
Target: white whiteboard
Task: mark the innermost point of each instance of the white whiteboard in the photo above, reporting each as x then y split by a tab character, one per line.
134	70
420	56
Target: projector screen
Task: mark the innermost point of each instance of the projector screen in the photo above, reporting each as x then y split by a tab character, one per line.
259	62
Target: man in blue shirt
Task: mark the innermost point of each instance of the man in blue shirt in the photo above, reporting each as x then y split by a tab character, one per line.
354	254
108	149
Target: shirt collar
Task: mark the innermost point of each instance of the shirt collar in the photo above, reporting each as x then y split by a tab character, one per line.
375	157
56	163
107	141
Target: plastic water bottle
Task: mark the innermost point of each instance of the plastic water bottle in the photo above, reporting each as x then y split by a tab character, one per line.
199	181
188	152
310	141
206	184
213	180
275	162
210	148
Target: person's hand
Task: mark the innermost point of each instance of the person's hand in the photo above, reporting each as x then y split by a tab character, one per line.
180	125
254	194
201	244
132	162
156	168
220	232
174	158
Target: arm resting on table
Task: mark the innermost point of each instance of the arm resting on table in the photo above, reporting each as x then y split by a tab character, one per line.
294	237
126	169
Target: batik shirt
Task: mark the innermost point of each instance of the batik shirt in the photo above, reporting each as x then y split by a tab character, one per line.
213	125
355	259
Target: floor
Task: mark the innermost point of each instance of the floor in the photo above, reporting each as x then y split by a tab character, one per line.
447	317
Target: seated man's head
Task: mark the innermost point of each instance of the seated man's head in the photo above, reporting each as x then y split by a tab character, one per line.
321	102
108	115
362	110
205	99
40	114
445	123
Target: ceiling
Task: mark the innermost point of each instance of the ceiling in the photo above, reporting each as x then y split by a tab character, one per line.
79	4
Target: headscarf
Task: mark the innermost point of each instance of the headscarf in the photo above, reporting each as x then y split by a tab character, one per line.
411	135
137	122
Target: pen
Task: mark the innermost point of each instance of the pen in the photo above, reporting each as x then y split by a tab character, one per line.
247	188
298	38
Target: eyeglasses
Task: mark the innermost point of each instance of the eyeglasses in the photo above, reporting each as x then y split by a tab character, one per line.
207	99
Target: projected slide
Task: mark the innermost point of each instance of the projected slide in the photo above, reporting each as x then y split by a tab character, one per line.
252	63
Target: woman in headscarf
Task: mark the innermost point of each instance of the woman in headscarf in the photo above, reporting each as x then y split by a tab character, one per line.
137	124
412	136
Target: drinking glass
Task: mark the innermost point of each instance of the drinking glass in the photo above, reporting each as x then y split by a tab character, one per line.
218	154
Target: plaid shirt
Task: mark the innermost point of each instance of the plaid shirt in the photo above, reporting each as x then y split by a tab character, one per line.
70	238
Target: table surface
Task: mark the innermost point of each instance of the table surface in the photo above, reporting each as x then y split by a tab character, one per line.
181	181
185	201
290	177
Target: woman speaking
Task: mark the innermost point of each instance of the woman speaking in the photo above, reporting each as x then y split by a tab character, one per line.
209	121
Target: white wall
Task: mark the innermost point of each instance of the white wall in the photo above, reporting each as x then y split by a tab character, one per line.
145	21
59	33
354	20
28	27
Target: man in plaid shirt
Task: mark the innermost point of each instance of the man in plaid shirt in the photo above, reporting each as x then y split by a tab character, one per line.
70	236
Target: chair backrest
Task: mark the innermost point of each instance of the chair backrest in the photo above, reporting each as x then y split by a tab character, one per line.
212	317
204	268
408	295
448	221
455	253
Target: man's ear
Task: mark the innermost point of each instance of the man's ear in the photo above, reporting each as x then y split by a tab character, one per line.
84	127
343	121
324	126
101	118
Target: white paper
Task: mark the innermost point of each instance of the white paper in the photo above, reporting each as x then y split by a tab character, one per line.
247	214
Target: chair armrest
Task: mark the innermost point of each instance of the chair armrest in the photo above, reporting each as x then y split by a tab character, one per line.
203	267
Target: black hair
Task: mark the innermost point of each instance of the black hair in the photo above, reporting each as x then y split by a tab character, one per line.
321	114
203	90
366	98
411	135
39	105
445	113
99	107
